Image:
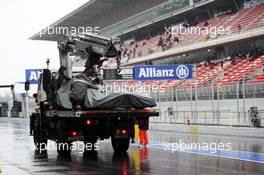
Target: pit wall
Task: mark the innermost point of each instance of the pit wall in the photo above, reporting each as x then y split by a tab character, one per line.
210	112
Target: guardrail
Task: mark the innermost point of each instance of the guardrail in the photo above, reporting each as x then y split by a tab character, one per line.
221	118
233	91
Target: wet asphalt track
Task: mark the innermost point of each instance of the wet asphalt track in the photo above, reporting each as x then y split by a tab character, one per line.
17	156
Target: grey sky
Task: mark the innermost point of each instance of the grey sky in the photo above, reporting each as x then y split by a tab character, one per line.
20	19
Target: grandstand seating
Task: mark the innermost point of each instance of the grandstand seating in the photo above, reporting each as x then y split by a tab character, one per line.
217	74
259	78
228	74
247	18
222	72
241	69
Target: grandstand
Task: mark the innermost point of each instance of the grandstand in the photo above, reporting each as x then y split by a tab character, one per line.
228	76
228	67
248	18
219	70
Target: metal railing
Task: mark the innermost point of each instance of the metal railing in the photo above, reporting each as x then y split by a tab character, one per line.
221	118
211	105
237	90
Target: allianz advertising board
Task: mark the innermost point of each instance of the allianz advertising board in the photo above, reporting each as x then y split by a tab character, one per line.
32	75
168	72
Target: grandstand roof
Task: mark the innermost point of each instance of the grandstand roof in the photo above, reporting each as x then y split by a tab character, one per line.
100	13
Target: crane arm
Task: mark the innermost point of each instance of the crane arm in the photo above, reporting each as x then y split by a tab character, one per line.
94	45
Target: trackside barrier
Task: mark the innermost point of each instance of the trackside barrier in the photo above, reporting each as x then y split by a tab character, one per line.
211	105
224	118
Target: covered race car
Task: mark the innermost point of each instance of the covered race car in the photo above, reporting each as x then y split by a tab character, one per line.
92	98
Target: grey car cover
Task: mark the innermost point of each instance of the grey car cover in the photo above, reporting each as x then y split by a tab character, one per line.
63	95
98	100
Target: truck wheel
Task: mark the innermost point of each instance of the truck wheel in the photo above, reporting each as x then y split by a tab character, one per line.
90	150
120	145
64	148
90	145
40	142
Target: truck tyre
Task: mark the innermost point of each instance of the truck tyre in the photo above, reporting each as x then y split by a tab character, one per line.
39	141
120	145
64	148
90	151
90	145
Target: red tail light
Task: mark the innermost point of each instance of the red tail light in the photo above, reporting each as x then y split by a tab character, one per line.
123	132
88	122
74	133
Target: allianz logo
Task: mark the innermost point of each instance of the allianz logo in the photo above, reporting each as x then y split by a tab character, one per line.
181	71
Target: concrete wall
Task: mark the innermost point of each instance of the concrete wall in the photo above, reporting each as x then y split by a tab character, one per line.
223	112
210	130
209	105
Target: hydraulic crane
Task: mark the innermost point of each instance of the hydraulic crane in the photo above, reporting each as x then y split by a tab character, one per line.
94	46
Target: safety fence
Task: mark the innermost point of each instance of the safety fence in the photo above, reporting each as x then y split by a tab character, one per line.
225	118
240	90
211	105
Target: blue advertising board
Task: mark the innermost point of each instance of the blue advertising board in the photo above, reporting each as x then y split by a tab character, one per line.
168	72
32	75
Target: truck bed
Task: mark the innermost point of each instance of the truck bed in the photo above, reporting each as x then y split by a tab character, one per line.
102	113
